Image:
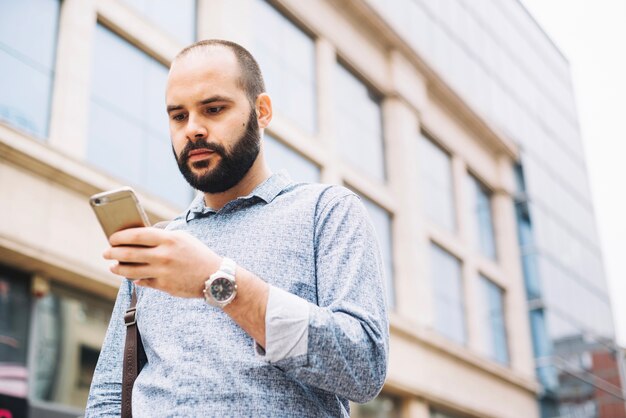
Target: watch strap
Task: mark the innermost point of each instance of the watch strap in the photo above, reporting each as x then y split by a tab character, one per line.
228	266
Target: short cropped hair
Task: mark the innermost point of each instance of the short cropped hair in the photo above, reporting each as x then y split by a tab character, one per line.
251	80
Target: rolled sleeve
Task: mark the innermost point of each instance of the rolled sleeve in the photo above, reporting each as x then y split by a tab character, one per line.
348	330
286	327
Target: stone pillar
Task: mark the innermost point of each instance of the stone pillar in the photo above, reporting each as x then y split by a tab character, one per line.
70	98
515	306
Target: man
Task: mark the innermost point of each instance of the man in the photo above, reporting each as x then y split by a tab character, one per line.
265	298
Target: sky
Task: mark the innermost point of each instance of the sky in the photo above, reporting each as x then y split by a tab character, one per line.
592	35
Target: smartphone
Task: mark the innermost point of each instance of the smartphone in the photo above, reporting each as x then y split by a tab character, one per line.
118	209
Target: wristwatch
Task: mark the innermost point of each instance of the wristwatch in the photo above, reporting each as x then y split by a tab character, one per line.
221	287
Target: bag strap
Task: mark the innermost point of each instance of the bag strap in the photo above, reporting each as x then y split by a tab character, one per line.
133	350
131	356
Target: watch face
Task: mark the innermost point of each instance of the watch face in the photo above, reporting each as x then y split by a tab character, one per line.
222	288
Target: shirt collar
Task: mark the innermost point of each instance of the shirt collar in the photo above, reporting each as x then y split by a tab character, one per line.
267	191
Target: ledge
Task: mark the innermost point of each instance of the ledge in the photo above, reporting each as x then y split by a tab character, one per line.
41	159
410	330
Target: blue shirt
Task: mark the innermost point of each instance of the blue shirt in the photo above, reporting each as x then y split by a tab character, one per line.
316	247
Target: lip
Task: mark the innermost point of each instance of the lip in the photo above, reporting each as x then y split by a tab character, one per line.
199	154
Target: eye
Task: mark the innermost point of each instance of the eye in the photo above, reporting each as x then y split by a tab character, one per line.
178	117
215	109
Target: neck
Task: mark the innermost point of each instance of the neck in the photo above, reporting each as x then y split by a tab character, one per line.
258	173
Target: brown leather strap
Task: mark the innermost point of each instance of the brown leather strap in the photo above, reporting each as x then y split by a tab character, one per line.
134	354
131	357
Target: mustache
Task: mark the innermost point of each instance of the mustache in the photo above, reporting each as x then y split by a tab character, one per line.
201	144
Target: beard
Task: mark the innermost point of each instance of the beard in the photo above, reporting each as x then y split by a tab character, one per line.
231	167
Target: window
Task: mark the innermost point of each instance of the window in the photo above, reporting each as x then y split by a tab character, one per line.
436	183
481	219
383	406
440	414
382	224
28	30
525	237
542	347
128	129
286	56
520	180
279	156
177	18
14	329
492	318
358	120
70	331
528	251
448	294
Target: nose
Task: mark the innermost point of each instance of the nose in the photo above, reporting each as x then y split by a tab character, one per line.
195	130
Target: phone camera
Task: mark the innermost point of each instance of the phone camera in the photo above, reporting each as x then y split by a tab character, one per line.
97	201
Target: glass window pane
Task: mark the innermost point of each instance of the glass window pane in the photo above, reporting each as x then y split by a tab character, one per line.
14	330
358	120
70	331
114	143
111	81
177	18
440	414
492	319
436	183
286	56
479	198
542	347
279	156
383	406
449	306
27	53
28	28
382	224
128	129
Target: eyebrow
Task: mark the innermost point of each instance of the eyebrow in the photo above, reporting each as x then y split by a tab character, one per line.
212	99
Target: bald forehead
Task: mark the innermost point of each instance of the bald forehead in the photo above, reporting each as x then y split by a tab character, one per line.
204	54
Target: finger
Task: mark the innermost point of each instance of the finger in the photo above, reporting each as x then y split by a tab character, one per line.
133	271
128	254
145	236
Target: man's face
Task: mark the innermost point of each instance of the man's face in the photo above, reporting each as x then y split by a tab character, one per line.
214	129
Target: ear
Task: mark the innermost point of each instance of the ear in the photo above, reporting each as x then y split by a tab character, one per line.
263	110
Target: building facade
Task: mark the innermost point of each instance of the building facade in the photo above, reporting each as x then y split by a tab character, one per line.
455	124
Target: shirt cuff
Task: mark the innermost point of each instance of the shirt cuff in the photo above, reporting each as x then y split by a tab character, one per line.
286	326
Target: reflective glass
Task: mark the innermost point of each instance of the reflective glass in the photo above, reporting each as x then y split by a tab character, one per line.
279	156
542	347
70	331
358	119
531	275
447	285
15	313
382	224
436	183
383	406
14	321
527	249
128	127
492	318
286	56
440	414
28	30
177	18
479	199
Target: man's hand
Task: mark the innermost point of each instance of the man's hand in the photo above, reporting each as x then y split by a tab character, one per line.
179	264
171	261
